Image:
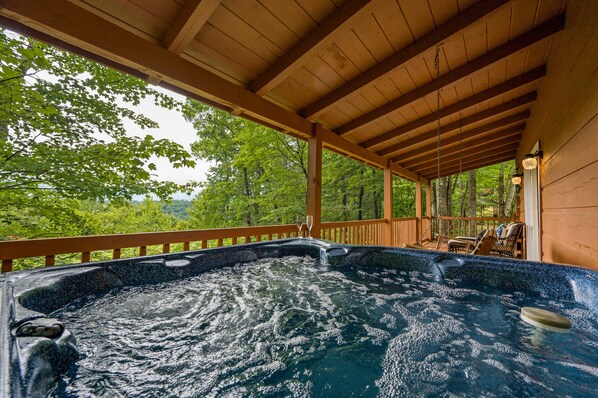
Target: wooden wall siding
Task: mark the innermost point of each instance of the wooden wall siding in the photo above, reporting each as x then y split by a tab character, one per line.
566	122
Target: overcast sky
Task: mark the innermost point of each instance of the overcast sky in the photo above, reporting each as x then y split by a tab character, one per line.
174	127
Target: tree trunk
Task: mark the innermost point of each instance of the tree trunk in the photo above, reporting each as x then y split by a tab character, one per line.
360	203
376	205
510	200
463	186
345	209
472	201
248	195
442	193
501	191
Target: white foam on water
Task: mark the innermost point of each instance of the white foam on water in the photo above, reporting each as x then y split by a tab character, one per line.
291	327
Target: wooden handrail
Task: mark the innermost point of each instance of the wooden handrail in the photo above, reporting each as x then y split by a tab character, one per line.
447	218
43	247
367	232
340	224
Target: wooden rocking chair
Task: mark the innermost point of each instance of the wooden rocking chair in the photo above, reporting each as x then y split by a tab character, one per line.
481	245
505	247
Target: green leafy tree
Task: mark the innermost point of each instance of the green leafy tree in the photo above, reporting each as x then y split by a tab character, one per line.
258	176
62	134
128	217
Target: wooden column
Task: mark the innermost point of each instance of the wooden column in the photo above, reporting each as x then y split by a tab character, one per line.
388	207
314	179
429	208
418	210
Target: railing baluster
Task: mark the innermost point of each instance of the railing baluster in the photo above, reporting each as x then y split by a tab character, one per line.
85	257
186	246
234	240
248	239
258	238
166	248
7	265
115	254
204	244
142	251
50	260
219	242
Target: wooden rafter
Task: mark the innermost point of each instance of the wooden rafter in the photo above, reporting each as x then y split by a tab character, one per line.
476	132
467	154
527	39
69	23
443	32
355	151
185	27
500	89
431	134
489	139
188	23
476	164
471	160
307	47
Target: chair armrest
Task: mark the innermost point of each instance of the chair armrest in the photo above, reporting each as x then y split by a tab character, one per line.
463	242
465	238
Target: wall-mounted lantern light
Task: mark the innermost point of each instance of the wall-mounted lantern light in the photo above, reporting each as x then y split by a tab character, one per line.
516	179
530	161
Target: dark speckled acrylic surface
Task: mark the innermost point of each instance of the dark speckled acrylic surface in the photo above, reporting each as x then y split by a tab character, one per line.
31	365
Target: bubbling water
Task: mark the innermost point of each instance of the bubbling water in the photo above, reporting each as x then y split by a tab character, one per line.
293	327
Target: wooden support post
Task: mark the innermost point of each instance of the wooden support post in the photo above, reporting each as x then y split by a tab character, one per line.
314	179
6	265
418	210
429	208
388	207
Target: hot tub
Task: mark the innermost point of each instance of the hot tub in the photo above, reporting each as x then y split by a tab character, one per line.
298	318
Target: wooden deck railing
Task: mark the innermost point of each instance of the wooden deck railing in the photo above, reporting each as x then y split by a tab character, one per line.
83	248
466	226
362	232
86	245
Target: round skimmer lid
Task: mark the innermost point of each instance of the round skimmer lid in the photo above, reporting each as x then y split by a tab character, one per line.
545	319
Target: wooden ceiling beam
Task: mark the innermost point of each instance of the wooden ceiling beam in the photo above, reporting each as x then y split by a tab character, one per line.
415	49
27	31
463	122
309	46
188	23
503	88
463	137
541	32
352	150
494	138
475	165
480	159
75	29
478	152
433	134
70	23
488	113
185	27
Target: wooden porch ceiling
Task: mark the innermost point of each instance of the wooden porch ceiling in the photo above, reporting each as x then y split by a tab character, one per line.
362	71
